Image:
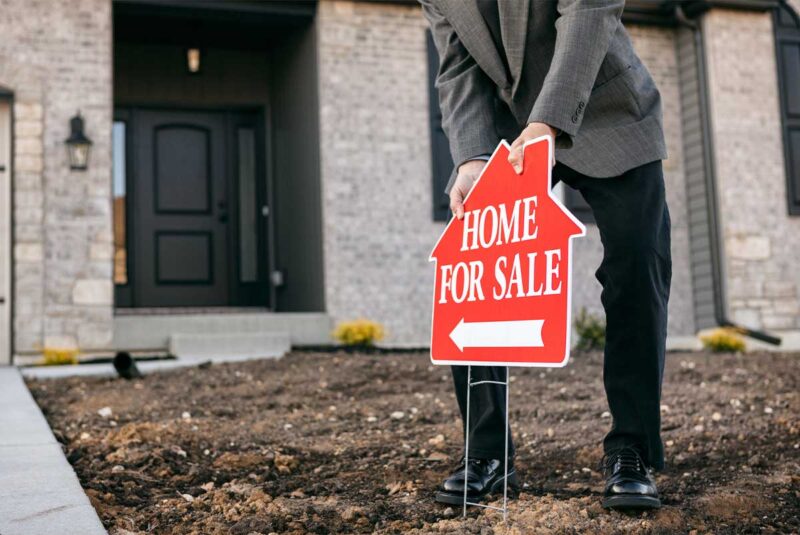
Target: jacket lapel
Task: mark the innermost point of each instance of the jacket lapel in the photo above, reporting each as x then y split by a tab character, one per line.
514	32
474	35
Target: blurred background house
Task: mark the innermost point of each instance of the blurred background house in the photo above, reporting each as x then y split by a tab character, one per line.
269	168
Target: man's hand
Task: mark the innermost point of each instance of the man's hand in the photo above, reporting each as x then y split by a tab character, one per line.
532	131
468	173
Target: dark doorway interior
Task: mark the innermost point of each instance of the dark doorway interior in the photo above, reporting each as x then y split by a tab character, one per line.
218	203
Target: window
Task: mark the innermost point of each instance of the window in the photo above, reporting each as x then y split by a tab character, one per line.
119	189
441	161
787	46
578	205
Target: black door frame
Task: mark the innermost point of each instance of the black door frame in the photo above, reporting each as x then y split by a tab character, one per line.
265	291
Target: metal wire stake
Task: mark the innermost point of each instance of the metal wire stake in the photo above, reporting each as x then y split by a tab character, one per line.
505	478
466	441
470	384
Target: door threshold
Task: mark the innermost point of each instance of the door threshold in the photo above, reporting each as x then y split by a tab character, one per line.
172	311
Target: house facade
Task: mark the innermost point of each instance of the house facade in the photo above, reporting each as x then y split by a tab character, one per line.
277	167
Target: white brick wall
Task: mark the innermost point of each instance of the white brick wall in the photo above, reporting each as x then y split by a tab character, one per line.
761	240
56	58
376	176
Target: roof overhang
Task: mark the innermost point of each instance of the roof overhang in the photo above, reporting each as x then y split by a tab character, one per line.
660	12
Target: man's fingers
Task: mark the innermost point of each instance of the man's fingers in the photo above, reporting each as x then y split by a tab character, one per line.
515	158
457	207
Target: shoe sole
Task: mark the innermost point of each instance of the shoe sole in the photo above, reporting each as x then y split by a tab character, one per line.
631	501
450	498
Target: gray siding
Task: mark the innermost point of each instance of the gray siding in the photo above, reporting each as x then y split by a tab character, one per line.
697	194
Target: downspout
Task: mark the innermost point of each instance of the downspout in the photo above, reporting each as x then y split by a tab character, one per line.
714	233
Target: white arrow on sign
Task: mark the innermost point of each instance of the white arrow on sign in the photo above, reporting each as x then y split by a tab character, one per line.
521	333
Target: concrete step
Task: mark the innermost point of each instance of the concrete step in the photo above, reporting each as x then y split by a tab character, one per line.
229	346
153	331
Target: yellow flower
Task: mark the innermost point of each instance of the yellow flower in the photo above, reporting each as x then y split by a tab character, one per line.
359	332
723	340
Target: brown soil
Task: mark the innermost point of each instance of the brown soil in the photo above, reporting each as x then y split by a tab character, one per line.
310	444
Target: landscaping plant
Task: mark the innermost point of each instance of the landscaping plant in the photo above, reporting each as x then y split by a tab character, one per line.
360	332
723	340
591	330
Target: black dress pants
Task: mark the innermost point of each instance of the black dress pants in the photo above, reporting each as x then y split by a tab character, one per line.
633	220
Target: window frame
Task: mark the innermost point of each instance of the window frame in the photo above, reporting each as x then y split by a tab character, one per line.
441	159
789	123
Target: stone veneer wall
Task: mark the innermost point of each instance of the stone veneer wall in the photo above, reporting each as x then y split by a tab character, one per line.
376	176
762	243
56	58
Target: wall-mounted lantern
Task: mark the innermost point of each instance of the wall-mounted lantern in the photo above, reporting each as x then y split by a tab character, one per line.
78	145
193	60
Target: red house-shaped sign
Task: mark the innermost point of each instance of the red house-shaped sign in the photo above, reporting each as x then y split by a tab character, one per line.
502	290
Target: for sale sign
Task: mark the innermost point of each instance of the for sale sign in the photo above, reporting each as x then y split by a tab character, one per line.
502	291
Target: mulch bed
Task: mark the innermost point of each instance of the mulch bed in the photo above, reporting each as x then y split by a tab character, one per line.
352	443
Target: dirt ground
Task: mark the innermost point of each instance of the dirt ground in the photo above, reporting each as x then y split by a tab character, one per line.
354	443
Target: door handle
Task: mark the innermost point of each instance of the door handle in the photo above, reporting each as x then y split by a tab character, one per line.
223	212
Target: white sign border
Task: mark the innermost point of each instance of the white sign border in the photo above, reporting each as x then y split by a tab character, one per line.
550	149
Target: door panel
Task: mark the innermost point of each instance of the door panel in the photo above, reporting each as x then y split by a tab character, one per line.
182	169
249	210
5	232
180	218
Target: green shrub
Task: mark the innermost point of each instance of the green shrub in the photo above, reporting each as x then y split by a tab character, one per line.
723	340
58	356
591	331
360	332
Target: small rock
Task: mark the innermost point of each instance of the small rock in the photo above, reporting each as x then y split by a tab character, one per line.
699	428
397	415
186	415
288	426
105	412
664	408
372	419
716	417
351	513
448	512
438	440
605	414
767	410
550	432
188	497
85	436
117	468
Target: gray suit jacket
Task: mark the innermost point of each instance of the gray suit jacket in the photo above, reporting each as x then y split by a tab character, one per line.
572	66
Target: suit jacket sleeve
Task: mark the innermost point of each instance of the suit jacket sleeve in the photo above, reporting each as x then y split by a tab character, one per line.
466	93
584	30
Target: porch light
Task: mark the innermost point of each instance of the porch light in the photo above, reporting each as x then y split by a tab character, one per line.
78	145
193	60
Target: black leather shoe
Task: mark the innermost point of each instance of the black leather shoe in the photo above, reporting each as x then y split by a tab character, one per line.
629	483
484	477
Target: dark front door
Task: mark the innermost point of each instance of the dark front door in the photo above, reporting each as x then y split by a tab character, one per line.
196	210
